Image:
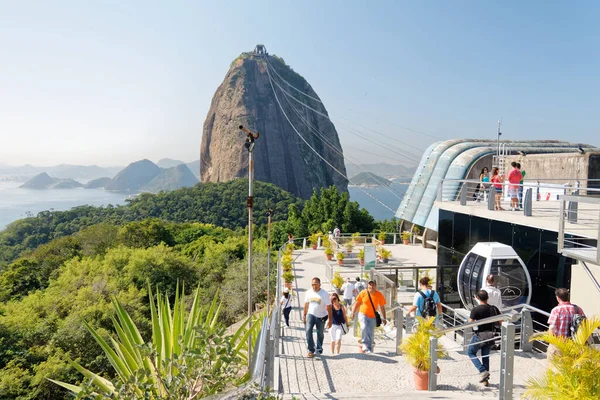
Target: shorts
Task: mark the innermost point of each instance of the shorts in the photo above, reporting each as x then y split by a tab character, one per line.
336	333
498	190
513	192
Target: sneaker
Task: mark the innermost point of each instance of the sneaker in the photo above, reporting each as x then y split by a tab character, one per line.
318	352
484	376
310	355
368	351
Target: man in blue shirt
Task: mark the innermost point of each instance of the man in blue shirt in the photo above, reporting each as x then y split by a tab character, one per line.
419	300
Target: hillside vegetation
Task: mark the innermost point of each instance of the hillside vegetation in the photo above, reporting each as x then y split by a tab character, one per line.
60	269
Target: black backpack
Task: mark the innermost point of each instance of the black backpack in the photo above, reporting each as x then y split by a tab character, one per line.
576	321
429	308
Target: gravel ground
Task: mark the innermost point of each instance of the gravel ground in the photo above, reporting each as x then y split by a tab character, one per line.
382	374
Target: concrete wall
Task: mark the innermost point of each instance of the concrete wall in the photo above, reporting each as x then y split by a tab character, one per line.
485	161
583	291
565	166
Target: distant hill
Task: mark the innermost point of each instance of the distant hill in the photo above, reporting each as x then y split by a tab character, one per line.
171	179
45	181
382	169
97	183
134	177
168	163
369	179
65	171
194	166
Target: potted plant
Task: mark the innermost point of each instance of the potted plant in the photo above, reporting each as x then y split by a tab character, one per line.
288	278
337	282
329	253
356	238
573	372
361	256
381	237
385	255
406	235
289	247
314	240
286	262
415	349
349	247
340	258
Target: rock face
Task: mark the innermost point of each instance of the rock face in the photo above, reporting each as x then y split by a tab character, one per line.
248	97
97	183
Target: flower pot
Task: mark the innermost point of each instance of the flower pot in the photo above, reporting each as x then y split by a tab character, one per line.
288	285
385	260
314	246
340	262
422	379
382	242
329	257
355	242
405	241
362	261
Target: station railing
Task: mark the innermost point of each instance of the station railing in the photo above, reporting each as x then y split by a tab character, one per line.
579	228
536	198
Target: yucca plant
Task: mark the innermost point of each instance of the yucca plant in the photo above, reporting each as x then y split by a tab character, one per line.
174	364
574	372
415	348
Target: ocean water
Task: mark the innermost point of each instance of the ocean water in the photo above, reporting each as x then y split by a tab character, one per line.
390	196
15	202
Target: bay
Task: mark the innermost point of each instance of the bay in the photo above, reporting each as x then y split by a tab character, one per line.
15	202
391	196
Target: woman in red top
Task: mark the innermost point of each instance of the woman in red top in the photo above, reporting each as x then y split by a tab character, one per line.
497	181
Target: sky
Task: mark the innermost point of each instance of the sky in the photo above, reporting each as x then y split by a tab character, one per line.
111	82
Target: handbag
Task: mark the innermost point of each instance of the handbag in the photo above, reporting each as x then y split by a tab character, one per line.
344	328
377	316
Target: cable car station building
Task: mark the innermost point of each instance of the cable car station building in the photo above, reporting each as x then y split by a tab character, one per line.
552	238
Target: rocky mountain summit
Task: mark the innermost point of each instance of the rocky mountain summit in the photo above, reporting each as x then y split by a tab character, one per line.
261	93
45	181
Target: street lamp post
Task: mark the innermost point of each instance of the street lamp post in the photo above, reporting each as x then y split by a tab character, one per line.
250	138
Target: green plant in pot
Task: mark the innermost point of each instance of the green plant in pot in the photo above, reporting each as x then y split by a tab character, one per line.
405	236
314	240
415	349
288	278
361	256
337	282
289	247
349	247
329	252
385	255
356	238
381	237
574	372
340	258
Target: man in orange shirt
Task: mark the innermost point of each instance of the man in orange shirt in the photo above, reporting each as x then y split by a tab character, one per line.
366	304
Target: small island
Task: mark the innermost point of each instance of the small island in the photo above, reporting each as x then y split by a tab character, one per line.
368	179
45	181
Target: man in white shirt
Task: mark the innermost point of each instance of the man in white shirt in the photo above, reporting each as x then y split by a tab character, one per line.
494	294
317	310
349	292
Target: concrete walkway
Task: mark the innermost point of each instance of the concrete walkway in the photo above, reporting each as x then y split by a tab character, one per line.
351	375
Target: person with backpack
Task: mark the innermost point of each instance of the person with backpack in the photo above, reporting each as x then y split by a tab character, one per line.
426	302
564	319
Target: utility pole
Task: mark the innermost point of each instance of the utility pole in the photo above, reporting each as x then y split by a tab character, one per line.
250	138
269	213
498	140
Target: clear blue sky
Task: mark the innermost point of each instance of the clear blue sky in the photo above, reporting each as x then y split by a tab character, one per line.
110	82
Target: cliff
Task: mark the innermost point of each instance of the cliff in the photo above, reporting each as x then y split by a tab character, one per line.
247	97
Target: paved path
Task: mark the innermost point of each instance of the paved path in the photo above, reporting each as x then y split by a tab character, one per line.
351	375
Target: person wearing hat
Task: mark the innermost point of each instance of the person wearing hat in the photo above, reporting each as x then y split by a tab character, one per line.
286	302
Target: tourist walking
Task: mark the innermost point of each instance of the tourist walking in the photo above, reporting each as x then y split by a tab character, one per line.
317	310
286	303
426	302
521	185
367	303
497	181
349	292
514	180
561	317
482	335
339	323
494	294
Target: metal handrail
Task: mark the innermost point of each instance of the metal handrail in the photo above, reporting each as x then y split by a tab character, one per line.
495	318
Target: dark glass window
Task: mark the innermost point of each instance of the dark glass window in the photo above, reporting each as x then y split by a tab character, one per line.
480	231
462	230
445	223
511	279
470	278
501	232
